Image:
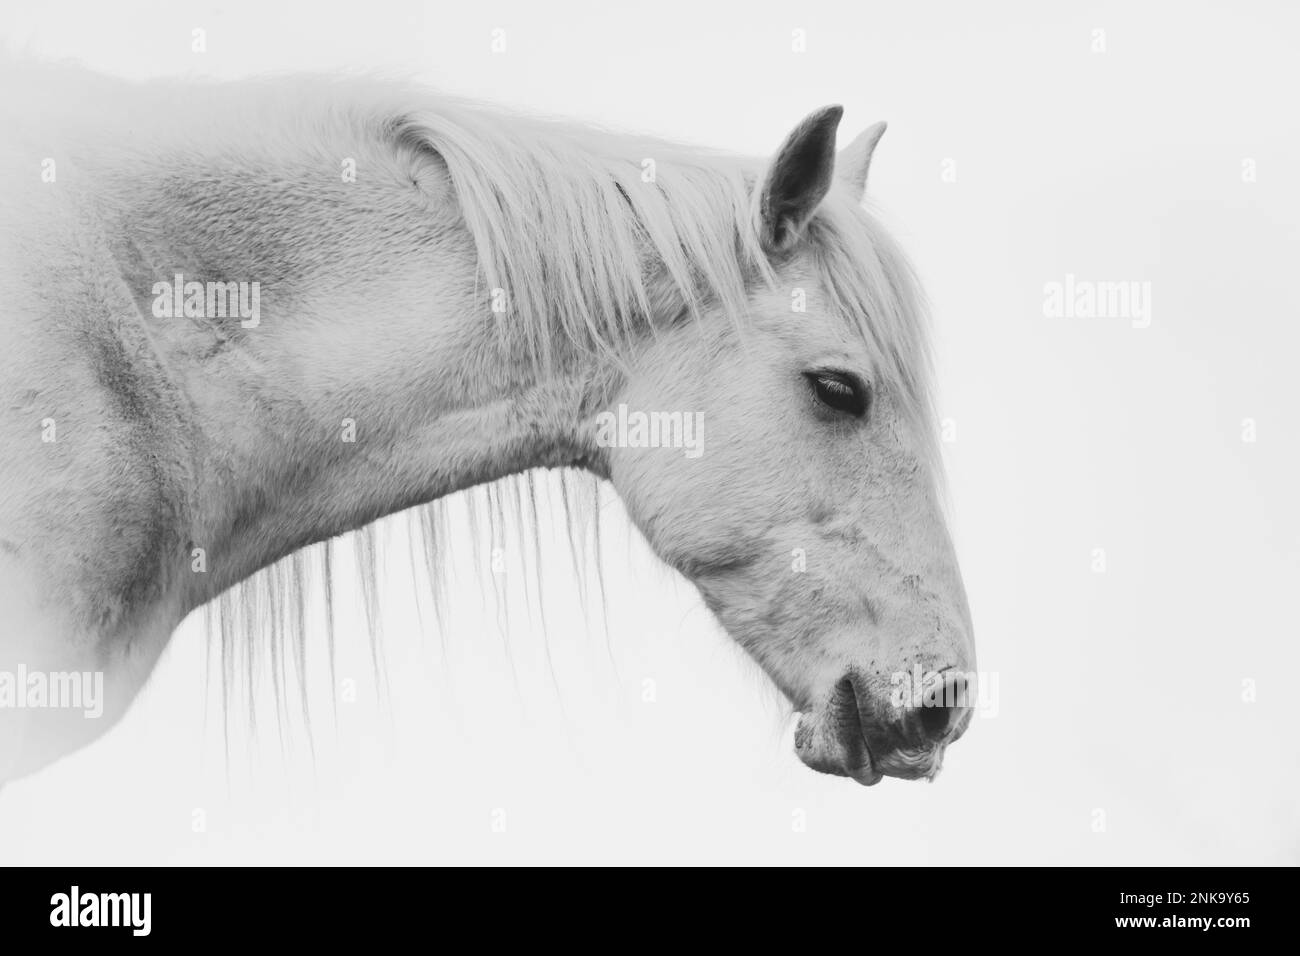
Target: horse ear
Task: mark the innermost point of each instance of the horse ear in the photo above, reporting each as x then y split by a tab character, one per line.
855	159
799	178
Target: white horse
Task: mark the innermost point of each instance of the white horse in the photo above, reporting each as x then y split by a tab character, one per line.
240	319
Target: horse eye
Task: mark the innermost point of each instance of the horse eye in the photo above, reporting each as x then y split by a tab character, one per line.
840	391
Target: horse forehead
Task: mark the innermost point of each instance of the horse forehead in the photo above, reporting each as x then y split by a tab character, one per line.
799	315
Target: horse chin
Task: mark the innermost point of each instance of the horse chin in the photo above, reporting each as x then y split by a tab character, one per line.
822	744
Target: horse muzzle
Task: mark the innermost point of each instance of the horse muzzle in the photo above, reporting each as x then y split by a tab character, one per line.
864	731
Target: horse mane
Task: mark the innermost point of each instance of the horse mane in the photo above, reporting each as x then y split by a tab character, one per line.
565	218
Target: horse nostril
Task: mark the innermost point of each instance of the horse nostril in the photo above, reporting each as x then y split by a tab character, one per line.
944	706
935	721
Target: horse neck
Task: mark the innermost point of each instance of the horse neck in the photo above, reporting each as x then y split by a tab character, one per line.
375	379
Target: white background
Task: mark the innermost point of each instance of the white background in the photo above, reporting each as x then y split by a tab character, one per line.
1121	734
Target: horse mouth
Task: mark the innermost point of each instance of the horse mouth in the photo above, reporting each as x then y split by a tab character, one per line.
849	737
825	749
